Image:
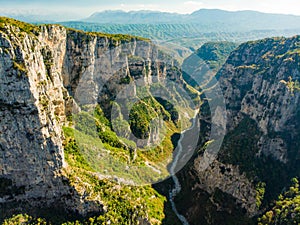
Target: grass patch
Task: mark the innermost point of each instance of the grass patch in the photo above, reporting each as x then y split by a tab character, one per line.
24	27
124	204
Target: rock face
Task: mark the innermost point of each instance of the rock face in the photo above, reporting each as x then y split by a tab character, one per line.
262	139
100	70
49	72
256	91
46	74
32	111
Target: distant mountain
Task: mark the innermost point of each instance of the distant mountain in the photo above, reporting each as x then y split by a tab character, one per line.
224	20
135	17
31	18
244	20
181	37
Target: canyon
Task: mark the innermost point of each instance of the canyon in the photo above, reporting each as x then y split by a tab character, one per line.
89	121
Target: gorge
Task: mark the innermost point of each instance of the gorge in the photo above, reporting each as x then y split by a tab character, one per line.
91	129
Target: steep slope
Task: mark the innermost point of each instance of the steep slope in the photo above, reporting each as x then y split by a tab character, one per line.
32	111
65	142
285	209
201	66
210	18
87	117
215	53
260	151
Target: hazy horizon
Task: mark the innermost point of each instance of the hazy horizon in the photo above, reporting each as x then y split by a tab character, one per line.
78	9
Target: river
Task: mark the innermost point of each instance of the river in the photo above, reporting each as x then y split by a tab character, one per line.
177	187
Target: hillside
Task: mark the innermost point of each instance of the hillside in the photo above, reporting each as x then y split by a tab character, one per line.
87	124
219	19
201	67
103	128
180	40
181	34
260	152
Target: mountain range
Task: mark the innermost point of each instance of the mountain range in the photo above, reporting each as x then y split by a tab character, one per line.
238	20
219	19
179	34
98	129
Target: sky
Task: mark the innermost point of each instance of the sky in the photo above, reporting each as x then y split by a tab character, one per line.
84	8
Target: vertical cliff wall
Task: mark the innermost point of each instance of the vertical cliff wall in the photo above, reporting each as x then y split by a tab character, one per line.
46	74
260	152
32	110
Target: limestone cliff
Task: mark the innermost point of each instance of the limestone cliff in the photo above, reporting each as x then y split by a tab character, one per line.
48	74
261	146
32	110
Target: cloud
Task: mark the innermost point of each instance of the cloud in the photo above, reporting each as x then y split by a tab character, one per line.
193	3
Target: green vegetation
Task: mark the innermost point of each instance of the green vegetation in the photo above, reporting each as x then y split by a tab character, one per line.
44	102
72	151
179	36
201	67
124	204
85	123
125	80
102	166
141	115
239	146
24	27
108	153
162	152
48	61
245	145
286	210
169	108
115	39
20	67
215	53
24	219
260	192
292	85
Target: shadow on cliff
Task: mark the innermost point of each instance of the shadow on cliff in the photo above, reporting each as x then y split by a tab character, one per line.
28	162
53	210
163	188
195	204
198	206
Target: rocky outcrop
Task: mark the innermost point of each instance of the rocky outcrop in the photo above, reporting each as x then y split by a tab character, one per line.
47	73
228	179
99	69
32	111
262	139
251	83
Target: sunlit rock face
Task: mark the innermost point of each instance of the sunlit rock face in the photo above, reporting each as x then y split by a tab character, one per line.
261	144
46	74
